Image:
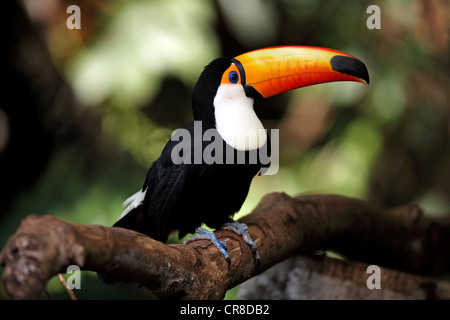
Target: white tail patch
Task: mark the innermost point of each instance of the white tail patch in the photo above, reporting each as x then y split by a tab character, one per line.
133	202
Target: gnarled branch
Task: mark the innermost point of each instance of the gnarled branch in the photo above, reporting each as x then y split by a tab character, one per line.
281	226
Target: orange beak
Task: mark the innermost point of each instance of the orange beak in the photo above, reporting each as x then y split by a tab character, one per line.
270	71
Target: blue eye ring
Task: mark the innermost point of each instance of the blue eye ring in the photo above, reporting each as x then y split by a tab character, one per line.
233	77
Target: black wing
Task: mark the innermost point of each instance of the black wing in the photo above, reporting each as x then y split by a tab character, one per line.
182	196
163	188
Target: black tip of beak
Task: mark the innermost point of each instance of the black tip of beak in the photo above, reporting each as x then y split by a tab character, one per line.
352	67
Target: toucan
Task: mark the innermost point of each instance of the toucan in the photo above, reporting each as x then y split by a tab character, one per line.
183	195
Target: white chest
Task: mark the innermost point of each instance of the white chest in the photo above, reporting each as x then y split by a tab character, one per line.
236	121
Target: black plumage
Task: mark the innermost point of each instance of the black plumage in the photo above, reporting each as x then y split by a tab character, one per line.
182	196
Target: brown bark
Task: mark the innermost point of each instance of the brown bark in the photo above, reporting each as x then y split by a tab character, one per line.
281	226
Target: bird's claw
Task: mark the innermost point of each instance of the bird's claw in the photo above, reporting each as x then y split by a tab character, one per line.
208	235
242	230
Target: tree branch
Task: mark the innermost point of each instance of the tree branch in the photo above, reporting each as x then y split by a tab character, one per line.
281	226
319	277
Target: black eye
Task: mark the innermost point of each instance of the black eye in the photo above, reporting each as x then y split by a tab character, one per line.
233	77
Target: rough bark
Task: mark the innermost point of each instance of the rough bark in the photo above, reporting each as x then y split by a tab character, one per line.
281	226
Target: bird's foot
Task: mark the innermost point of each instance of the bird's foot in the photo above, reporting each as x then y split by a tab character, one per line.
208	235
242	230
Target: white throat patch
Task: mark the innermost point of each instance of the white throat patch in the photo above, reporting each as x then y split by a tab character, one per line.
236	121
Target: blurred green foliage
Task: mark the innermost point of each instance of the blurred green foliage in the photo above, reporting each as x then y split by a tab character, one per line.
134	63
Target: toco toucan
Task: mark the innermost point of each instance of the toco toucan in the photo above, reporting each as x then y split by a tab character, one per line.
182	196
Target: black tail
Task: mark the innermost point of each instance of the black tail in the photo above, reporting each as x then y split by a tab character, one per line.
133	220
